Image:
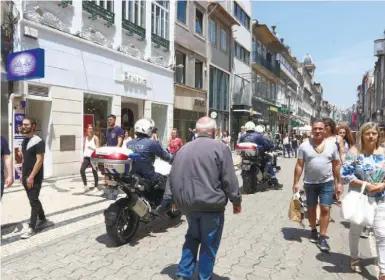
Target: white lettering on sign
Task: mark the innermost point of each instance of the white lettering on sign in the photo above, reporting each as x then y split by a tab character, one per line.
23	64
134	79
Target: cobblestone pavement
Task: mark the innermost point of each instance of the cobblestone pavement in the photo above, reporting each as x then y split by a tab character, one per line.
260	243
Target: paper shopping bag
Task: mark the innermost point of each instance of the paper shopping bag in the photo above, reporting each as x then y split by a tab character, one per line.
295	214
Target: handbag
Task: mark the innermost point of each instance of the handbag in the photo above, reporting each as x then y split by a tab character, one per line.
357	209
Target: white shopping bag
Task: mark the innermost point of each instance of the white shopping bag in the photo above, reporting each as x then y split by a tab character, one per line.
162	167
357	209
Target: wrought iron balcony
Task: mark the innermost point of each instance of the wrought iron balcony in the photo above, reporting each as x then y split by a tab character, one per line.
132	28
160	42
259	59
64	4
98	11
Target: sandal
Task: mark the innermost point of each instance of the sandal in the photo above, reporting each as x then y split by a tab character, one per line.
355	266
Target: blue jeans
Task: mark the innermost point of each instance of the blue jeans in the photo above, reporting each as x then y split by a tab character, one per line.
324	192
205	229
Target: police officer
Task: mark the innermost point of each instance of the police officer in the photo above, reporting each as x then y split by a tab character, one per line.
264	145
148	150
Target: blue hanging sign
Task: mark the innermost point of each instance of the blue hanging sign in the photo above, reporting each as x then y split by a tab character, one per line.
25	65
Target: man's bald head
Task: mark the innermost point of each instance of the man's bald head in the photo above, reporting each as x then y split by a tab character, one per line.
206	125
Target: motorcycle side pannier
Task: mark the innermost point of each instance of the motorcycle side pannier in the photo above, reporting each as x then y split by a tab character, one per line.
249	149
113	160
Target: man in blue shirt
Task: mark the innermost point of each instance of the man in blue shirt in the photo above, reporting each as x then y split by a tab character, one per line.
114	136
264	145
6	162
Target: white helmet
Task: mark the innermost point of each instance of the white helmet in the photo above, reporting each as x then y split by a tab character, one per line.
250	126
260	129
144	126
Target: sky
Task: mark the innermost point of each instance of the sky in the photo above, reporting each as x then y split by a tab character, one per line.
338	35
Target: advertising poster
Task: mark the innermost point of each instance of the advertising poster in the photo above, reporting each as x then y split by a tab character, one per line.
17	140
87	119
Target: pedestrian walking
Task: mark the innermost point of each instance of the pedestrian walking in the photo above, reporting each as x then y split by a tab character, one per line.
155	134
175	143
294	144
218	134
33	150
91	143
321	162
114	136
6	164
362	166
243	131
191	134
201	181
226	139
127	138
286	145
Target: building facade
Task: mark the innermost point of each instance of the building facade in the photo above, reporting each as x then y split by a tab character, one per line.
266	75
101	58
241	101
191	36
220	61
306	110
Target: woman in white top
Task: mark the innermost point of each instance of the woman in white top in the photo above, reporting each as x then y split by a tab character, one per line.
127	138
226	138
91	143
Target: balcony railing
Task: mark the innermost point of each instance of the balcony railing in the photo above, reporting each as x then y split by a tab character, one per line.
160	42
64	4
275	69
98	11
132	28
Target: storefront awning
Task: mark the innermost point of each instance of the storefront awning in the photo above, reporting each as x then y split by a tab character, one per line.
247	111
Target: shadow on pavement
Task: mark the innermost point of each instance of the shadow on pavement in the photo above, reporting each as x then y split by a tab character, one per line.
171	270
145	230
340	264
11	228
345	224
295	234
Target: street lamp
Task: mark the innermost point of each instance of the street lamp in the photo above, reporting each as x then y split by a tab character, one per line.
288	125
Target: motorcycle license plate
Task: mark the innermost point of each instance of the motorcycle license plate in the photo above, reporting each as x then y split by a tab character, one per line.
246	167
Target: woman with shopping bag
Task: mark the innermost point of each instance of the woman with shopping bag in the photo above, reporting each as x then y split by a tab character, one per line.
364	171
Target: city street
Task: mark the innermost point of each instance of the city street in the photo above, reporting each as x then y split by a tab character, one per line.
260	243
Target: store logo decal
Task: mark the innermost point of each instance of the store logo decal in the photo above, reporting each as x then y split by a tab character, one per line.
23	64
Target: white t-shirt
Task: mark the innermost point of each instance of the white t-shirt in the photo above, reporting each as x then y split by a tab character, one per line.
87	145
125	141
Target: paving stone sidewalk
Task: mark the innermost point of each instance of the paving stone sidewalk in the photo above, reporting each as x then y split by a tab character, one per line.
260	243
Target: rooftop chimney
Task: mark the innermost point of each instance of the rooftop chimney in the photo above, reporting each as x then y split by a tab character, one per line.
282	40
274	27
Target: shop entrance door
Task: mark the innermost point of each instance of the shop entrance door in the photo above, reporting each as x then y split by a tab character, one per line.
41	111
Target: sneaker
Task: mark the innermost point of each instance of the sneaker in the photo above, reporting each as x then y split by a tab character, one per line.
30	232
41	223
314	236
86	188
277	186
323	245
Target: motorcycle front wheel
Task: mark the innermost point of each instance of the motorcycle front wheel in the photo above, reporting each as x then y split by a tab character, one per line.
126	223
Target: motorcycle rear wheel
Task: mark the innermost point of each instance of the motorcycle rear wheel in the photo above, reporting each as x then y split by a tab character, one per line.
125	226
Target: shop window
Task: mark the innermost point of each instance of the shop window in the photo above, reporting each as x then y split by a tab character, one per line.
96	109
198	74
180	72
198	21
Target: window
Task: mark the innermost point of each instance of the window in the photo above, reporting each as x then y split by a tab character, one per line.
241	91
198	21
134	11
198	74
219	90
160	14
223	40
241	16
181	10
241	53
180	58
212	32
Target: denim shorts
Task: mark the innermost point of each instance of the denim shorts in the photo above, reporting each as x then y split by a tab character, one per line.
322	192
